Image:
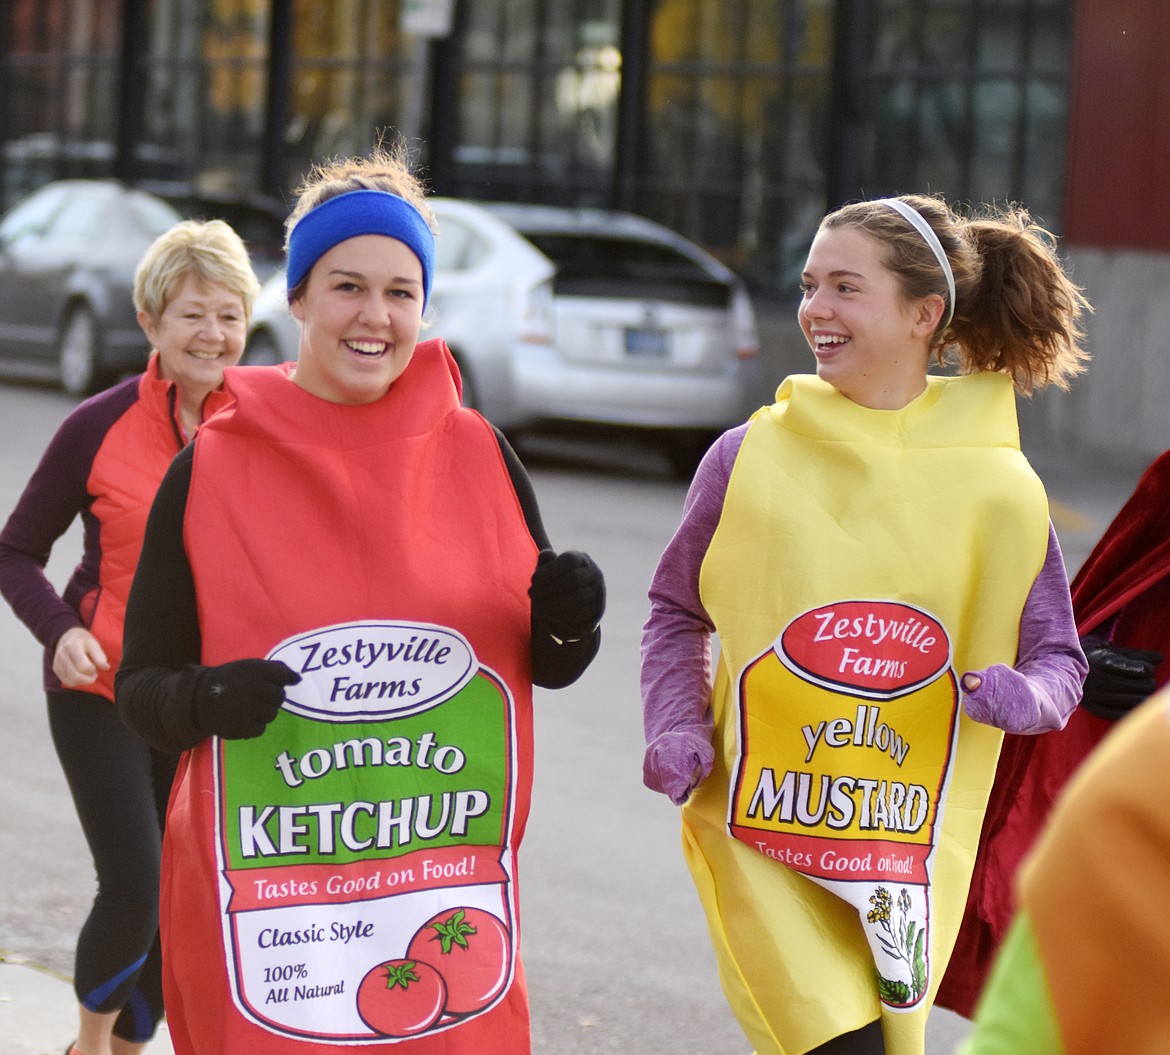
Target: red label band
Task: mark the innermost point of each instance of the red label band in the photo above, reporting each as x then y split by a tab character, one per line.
321	884
846	860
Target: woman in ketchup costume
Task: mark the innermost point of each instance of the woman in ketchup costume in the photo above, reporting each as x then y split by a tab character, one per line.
345	597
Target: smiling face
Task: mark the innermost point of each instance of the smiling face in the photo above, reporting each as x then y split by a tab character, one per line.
871	343
200	331
360	314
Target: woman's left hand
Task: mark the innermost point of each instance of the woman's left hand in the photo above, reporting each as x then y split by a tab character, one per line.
1006	699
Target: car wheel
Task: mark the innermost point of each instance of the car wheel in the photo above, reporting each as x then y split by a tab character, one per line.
261	350
686	449
79	353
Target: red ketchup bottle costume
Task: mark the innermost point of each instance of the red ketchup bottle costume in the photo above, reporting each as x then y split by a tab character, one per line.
349	876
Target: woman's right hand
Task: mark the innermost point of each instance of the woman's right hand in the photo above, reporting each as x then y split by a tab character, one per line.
678	761
78	658
1119	680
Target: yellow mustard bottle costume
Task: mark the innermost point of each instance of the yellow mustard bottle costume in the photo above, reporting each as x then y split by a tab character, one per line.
864	560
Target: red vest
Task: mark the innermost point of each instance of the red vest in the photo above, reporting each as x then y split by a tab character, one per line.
134	456
350	875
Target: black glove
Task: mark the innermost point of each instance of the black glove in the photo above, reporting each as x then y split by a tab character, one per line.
1119	679
237	700
568	594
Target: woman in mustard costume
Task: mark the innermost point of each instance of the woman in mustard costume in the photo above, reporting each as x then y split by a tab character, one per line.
344	599
875	555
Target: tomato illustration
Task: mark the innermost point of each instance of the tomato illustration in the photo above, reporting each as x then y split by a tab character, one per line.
471	949
400	998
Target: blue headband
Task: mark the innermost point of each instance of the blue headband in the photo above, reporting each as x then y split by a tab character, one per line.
355	213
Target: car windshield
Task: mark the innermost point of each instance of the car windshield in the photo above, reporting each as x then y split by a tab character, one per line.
79	219
31	216
157	216
627	268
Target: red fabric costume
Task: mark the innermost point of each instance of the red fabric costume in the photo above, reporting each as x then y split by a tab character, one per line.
300	862
1121	592
125	475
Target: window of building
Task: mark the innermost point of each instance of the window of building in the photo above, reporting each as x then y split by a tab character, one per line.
735	115
539	99
967	98
352	81
757	117
204	69
58	107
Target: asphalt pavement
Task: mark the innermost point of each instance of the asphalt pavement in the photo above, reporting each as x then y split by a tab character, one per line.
37	1006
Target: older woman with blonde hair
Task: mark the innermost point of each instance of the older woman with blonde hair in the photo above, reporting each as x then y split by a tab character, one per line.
194	290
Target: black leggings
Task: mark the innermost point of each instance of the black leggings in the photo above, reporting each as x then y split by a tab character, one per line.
120	788
864	1041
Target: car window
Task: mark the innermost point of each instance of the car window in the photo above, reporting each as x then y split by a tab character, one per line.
252	223
255	226
78	220
627	268
31	216
458	247
156	215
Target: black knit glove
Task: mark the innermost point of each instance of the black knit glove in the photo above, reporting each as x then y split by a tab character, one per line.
1119	679
568	594
237	700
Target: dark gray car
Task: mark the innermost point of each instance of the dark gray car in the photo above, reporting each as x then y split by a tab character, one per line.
67	257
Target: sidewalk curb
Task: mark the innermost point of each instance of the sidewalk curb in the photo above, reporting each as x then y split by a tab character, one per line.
38	1011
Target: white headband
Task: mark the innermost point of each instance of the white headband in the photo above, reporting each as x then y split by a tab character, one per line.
931	239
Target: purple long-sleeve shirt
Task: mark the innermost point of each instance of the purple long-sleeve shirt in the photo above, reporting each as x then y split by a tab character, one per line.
1036	695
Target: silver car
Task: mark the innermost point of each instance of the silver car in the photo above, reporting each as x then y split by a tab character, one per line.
67	257
561	318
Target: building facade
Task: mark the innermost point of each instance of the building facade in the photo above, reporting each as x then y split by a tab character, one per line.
736	122
732	121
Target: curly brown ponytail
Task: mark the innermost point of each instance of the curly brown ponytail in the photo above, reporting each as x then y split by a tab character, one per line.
1023	316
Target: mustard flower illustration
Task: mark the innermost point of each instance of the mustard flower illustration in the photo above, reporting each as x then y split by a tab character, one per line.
902	939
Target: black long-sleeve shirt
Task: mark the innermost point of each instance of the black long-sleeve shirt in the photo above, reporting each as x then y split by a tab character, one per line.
157	682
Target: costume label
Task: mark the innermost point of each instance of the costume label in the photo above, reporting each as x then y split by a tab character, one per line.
849	789
364	839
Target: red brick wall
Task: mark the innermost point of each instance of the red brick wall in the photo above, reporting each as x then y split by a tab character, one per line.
1118	166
